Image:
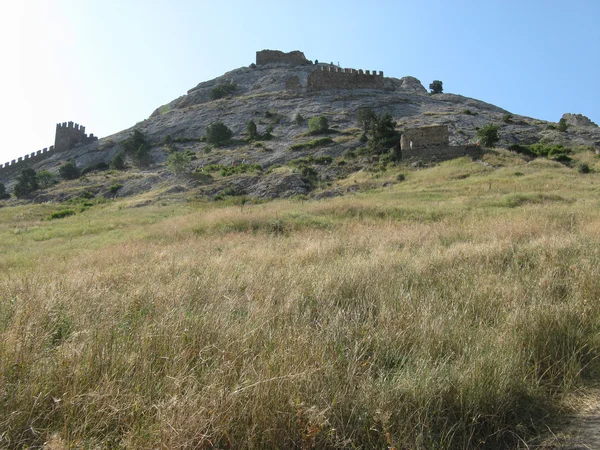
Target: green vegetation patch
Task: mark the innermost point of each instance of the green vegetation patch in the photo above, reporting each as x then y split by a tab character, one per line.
514	200
321	142
61	214
226	171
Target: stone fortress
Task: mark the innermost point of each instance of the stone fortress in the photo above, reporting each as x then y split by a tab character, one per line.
324	76
68	136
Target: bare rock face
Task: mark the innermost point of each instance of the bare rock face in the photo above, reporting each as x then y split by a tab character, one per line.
412	84
578	120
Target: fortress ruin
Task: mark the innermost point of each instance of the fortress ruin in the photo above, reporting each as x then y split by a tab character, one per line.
295	58
68	136
334	77
433	143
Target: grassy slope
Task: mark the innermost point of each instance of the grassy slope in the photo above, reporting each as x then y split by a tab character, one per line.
449	311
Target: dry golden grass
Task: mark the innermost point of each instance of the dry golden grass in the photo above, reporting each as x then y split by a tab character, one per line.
443	313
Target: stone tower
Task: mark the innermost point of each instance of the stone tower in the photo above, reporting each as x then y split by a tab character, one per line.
68	135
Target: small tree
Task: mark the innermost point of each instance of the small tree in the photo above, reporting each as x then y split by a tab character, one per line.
138	147
222	90
26	184
252	130
179	163
382	134
69	171
299	119
488	135
46	179
3	194
364	116
318	125
217	133
562	125
118	162
437	87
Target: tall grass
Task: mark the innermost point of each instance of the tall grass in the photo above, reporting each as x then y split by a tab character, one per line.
383	320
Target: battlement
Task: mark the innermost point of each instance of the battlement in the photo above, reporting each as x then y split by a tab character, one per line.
9	168
334	77
69	134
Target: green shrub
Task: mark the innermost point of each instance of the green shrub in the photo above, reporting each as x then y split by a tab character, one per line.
46	179
468	112
400	177
222	90
312	144
118	162
519	174
3	194
69	171
364	116
382	134
27	183
507	118
318	125
179	163
251	130
217	133
488	135
61	214
562	125
583	168
138	147
299	119
113	189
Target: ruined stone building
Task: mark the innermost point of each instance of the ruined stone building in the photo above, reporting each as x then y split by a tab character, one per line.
432	143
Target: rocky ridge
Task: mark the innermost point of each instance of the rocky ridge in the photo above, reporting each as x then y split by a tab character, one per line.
273	95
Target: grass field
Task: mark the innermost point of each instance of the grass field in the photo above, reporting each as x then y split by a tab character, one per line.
452	310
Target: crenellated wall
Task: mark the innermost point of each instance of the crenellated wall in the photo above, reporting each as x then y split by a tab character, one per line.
68	135
333	77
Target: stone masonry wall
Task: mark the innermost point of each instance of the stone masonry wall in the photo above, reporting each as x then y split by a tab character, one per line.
11	168
333	77
442	153
68	135
432	143
424	138
295	57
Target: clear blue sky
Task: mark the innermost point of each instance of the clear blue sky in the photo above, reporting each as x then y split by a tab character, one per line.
108	64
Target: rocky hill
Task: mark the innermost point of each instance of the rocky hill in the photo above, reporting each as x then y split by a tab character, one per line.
276	94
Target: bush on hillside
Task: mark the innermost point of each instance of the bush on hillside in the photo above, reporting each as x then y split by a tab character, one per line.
46	179
118	162
488	135
222	90
69	171
318	125
382	135
26	183
3	194
364	117
217	133
138	147
179	163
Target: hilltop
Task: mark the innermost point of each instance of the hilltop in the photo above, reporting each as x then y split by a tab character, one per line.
280	93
